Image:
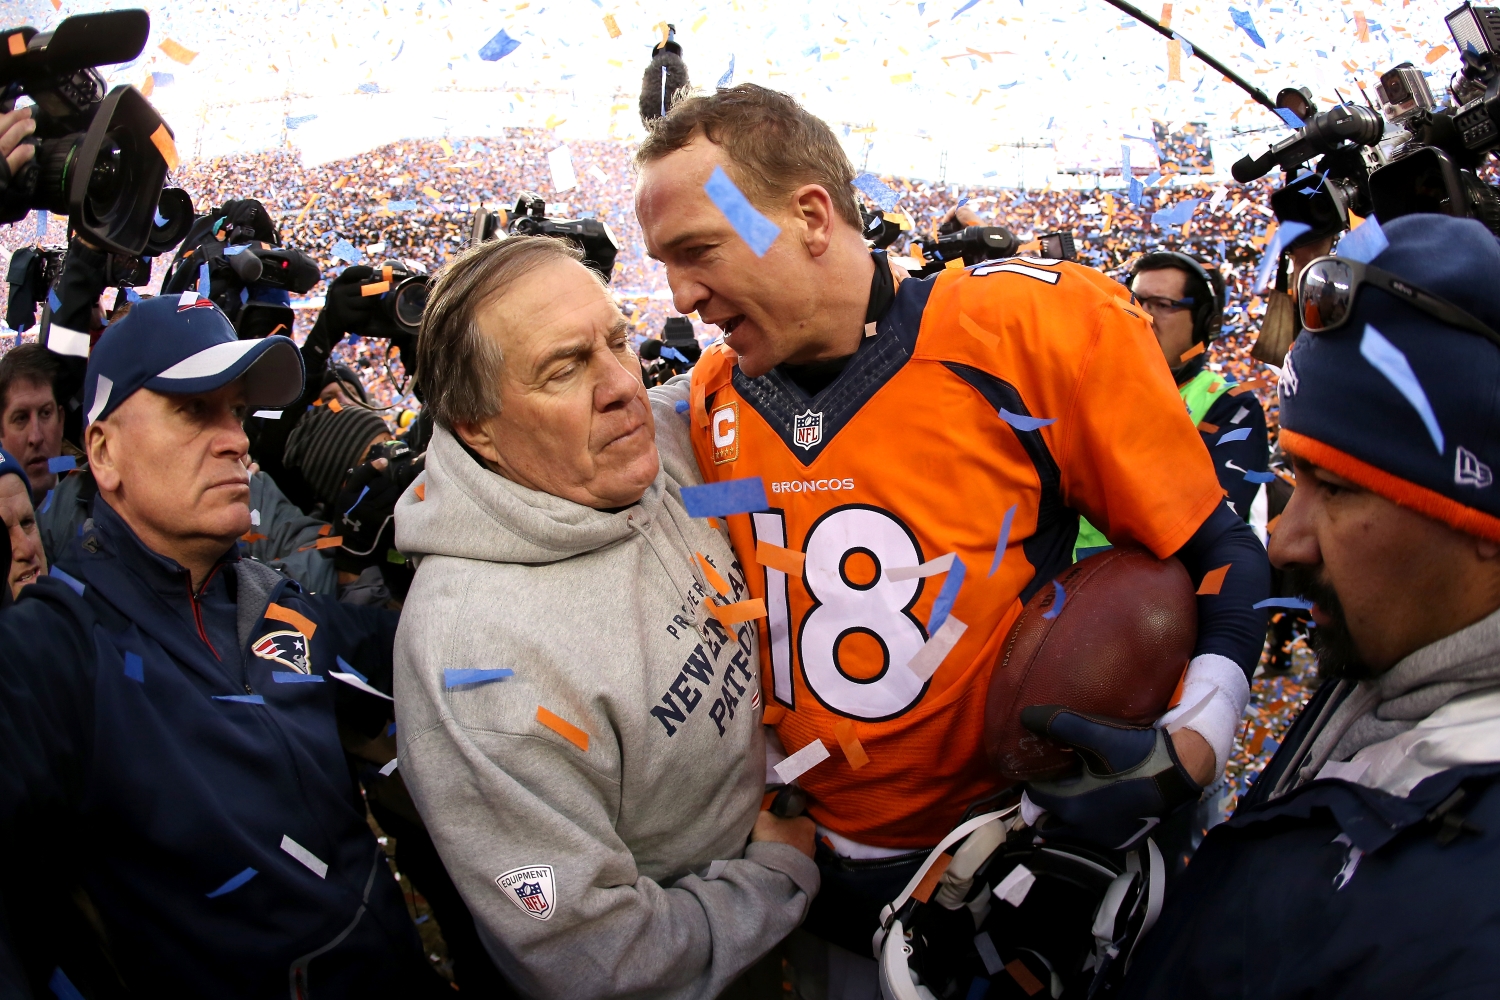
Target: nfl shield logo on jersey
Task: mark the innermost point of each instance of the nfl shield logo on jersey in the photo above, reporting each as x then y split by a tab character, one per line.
807	429
530	888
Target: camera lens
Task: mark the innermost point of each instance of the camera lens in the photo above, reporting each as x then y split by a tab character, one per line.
410	301
110	178
55	160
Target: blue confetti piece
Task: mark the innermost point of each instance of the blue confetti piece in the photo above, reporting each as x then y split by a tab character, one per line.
297	121
401	206
1387	359
53	302
390	730
963	8
1001	545
1234	435
46	503
675	354
733	496
979	987
162	79
132	296
943	606
1295	603
356	501
42	221
499	47
1137	192
1286	235
62	463
1178	215
1290	117
754	228
727	79
1187	50
236	249
1270	746
135	668
203	282
371	87
71	581
244	699
1260	477
62	987
1021	422
234	883
159	219
344	666
961	203
1243	20
876	190
292	677
681	406
458	678
1364	243
1059	598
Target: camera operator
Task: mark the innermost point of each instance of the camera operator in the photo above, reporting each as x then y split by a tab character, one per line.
170	726
1363	861
1185	300
674	354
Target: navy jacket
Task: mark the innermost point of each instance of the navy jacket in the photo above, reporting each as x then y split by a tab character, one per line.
177	757
1337	890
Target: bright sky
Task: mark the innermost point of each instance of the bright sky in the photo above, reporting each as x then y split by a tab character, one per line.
917	88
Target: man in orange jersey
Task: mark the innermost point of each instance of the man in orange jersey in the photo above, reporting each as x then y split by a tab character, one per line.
926	451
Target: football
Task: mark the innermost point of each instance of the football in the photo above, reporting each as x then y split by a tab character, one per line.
1117	647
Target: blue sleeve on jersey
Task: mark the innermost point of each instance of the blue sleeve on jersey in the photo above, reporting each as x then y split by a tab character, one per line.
1228	622
1232	459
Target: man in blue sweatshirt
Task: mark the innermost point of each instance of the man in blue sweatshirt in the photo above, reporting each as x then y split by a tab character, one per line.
170	714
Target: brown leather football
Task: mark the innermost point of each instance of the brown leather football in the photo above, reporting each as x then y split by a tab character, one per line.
1118	648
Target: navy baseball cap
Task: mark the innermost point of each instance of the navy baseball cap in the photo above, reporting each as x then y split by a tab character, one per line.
1396	400
183	344
10	467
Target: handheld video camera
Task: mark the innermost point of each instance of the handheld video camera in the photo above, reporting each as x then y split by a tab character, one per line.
675	353
976	244
249	274
529	218
1409	157
101	159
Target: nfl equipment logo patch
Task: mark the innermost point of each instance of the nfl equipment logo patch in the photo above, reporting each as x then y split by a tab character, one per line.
807	430
286	648
531	888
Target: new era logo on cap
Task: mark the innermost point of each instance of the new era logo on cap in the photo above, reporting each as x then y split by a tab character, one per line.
183	345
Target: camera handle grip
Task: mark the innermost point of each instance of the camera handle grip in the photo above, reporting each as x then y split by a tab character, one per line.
790	802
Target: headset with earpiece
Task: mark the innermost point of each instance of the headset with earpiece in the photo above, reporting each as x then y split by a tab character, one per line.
1208	317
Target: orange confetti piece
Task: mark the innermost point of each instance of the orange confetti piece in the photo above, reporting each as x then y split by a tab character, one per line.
148	85
1437	53
178	52
1177	693
611	26
308	207
563	728
17	44
325	531
1245	387
929	882
661	28
1193	352
421	491
1023	977
1271	524
741	611
335	406
386	271
379	288
165	145
1361	26
295	619
714	577
341	182
773	714
251	537
1213	580
954	265
854	751
331	542
1208	428
713	522
775	557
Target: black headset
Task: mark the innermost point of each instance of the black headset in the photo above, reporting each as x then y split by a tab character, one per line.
1208	317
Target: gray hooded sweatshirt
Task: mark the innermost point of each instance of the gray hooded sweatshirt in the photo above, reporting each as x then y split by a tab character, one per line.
593	807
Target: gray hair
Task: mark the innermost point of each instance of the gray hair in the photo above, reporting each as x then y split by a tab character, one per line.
458	367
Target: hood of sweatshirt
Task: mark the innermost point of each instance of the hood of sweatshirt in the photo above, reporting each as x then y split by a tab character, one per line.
469	512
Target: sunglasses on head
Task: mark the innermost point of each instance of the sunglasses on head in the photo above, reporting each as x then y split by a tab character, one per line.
1328	286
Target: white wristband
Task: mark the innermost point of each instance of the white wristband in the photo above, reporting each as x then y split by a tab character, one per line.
1214	694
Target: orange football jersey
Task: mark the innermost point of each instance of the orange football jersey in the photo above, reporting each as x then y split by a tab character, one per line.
1000	400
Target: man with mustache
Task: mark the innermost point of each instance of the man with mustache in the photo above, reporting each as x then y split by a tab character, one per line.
1363	861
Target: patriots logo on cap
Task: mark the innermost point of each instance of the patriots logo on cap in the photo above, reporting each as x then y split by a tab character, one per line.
286	648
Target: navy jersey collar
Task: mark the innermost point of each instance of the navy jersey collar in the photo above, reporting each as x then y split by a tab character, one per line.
114	535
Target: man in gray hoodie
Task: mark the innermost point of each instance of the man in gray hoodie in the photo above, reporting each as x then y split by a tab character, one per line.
580	732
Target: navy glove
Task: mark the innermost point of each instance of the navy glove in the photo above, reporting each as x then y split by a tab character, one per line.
1131	778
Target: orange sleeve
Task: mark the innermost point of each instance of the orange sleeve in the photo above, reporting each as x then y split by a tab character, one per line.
1132	462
